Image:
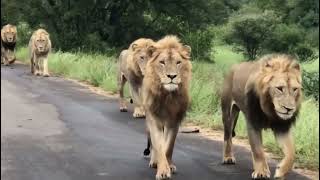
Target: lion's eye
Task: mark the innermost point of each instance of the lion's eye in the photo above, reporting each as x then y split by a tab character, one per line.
162	62
280	88
179	62
294	90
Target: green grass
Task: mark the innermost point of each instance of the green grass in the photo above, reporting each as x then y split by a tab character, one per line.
100	70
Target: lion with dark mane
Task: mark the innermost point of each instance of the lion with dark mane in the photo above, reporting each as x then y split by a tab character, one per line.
268	92
8	44
166	99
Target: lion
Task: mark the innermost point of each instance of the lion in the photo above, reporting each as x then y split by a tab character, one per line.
8	44
39	49
165	94
131	64
268	92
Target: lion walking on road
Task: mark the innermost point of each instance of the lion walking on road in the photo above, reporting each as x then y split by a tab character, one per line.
39	49
268	92
132	64
165	93
8	44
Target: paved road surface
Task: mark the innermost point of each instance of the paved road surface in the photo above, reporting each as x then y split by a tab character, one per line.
53	129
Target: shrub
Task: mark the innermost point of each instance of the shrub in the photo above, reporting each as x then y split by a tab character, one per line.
24	33
248	32
310	84
201	43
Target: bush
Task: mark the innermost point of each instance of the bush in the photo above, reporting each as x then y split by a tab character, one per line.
201	43
304	52
24	34
248	32
284	38
310	84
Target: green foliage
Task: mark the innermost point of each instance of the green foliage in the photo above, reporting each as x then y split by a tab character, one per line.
248	32
311	84
284	38
201	43
24	34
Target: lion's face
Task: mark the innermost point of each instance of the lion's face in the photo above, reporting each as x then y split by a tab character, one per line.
41	43
9	34
171	67
141	57
282	83
284	92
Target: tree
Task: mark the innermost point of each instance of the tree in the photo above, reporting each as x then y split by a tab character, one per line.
248	32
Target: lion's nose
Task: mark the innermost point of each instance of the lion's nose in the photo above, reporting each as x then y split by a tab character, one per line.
171	76
289	109
142	57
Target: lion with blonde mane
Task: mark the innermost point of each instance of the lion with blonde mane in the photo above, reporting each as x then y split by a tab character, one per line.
268	92
39	49
8	44
165	91
132	63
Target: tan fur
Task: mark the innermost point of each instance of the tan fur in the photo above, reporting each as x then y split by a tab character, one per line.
268	92
8	43
166	99
39	49
132	64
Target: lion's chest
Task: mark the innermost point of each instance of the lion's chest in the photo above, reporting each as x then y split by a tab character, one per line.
170	107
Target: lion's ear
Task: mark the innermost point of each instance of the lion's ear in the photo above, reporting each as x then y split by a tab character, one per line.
151	50
295	65
2	35
187	51
134	47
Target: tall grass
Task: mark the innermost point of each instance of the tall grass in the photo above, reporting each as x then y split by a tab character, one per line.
100	70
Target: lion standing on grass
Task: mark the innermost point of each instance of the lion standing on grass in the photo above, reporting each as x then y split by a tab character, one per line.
132	63
165	91
8	44
39	49
268	92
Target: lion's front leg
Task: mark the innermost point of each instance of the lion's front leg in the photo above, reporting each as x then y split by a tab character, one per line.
139	111
260	165
285	140
170	134
36	61
45	67
158	148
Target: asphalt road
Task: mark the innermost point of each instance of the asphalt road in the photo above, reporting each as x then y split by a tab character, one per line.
53	129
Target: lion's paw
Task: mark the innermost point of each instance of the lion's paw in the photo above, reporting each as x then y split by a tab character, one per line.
46	75
173	168
229	160
152	164
139	113
279	174
163	172
123	109
261	174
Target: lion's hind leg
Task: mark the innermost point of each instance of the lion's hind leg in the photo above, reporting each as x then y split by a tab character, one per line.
230	113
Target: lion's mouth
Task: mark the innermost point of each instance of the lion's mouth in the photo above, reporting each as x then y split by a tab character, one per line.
171	86
284	115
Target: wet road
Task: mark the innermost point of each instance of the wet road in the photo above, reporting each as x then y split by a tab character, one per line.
53	129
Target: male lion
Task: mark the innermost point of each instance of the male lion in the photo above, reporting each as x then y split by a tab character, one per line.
8	44
166	98
132	64
268	92
39	49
